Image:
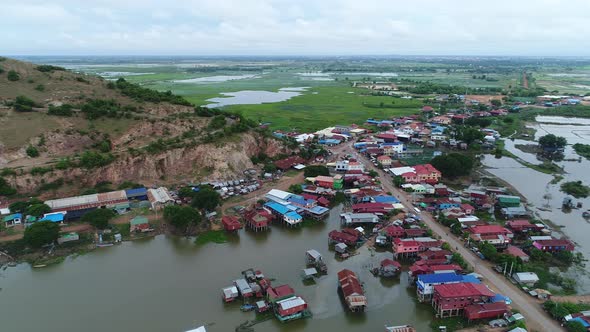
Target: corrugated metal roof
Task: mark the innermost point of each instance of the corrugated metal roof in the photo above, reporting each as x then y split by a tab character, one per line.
292	302
67	202
279	193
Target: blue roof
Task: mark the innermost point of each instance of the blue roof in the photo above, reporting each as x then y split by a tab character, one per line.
299	200
293	215
13	216
277	207
386	199
318	209
58	217
501	298
471	278
136	192
391	144
438	278
329	141
581	321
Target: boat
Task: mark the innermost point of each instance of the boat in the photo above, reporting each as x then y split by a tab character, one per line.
586	214
247	307
400	328
39	265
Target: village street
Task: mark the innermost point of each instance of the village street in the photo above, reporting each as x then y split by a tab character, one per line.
536	318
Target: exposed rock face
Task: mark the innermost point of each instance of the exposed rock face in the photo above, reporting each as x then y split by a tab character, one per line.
200	162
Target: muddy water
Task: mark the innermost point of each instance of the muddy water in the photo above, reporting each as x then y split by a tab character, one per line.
169	284
540	193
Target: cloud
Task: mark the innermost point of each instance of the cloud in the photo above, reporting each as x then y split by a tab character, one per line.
501	27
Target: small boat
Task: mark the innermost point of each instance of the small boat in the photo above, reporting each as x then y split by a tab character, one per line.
39	265
400	328
586	214
247	307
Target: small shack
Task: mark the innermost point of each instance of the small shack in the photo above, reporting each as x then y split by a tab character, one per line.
231	223
340	248
388	268
139	224
229	293
309	273
69	237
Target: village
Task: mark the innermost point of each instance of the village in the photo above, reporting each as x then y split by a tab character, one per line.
394	201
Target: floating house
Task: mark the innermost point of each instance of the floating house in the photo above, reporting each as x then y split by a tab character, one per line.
343	237
231	223
244	288
258	220
388	268
358	218
352	291
228	294
275	294
291	308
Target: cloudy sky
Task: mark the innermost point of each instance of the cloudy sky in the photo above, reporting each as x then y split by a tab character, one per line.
295	27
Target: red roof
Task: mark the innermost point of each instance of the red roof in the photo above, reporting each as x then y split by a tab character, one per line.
349	283
515	251
382	158
486	310
231	223
394	231
289	162
390	262
489	229
386	136
462	289
427	109
342	237
556	243
413	232
280	291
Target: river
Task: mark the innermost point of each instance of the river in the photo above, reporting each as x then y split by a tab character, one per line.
170	284
541	193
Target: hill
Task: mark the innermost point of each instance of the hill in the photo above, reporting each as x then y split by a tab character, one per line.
66	131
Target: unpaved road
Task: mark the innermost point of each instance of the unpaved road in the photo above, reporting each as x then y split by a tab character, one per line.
536	318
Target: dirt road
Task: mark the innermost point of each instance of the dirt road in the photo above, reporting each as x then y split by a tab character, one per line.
537	319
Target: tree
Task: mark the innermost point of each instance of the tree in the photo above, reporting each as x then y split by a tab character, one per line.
315	170
573	326
93	159
269	168
32	151
6	189
41	233
185	192
478	122
24	104
206	198
496	102
295	188
469	134
489	251
18	207
98	218
181	216
453	164
13	76
37	210
552	142
373	173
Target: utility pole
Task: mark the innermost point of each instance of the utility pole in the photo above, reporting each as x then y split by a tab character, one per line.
505	268
511	265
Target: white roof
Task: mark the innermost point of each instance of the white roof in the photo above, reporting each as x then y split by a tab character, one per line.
198	329
527	276
279	194
299	166
291	302
4	211
161	195
468	218
72	201
541	237
397	171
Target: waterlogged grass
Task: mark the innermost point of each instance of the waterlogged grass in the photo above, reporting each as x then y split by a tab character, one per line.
576	189
211	236
582	150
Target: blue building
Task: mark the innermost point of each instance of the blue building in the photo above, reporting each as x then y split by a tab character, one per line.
137	194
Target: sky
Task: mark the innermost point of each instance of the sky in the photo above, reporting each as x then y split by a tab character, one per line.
295	27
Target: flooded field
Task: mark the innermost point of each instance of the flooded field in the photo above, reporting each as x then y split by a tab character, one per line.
170	284
216	79
544	197
255	97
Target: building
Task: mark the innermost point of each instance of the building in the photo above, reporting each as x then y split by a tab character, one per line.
393	231
335	182
13	219
358	218
517	252
284	213
137	194
139	224
554	245
486	311
494	234
343	237
450	300
521	226
77	206
426	282
159	198
405	248
290	309
231	223
274	294
514	212
287	163
418	269
508	201
418	174
352	291
526	278
57	217
258	219
349	165
384	161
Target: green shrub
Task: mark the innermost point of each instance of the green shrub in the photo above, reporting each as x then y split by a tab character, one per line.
93	159
63	110
49	68
24	104
32	151
13	76
40	87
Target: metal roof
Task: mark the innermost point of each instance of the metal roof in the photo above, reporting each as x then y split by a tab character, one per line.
292	302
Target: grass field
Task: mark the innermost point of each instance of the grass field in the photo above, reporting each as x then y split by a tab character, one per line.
16	129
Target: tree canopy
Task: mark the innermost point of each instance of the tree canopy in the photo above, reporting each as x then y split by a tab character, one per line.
453	164
98	218
41	233
6	189
181	216
468	134
37	210
315	170
551	141
206	198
